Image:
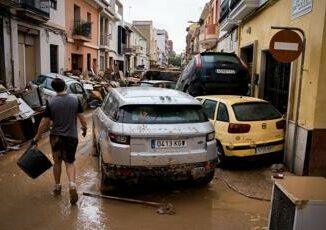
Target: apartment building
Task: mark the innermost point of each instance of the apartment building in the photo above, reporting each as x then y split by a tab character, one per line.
32	34
82	28
147	29
162	37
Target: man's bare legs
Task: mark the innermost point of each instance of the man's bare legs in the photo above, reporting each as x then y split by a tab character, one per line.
57	175
71	173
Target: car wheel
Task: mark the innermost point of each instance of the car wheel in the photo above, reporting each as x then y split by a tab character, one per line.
105	185
220	155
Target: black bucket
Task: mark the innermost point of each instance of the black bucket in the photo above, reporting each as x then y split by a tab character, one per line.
33	162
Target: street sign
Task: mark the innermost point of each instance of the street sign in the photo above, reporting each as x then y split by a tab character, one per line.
286	46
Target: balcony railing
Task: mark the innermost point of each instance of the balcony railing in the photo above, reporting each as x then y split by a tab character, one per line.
105	40
38	7
83	28
129	50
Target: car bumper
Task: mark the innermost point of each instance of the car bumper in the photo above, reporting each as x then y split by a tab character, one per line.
162	173
258	150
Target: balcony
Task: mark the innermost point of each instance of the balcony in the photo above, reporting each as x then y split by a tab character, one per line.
208	36
242	8
105	41
233	11
129	50
34	10
82	31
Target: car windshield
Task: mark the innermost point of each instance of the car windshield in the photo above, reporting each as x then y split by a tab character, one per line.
255	111
162	114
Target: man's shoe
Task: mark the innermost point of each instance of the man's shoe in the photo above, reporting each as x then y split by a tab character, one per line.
73	195
57	190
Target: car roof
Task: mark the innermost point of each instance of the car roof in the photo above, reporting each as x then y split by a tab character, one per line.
148	95
55	75
231	99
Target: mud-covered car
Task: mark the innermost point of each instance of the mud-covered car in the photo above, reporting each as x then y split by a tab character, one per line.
144	133
73	87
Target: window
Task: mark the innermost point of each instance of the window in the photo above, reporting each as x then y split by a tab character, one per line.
76	88
53	4
89	17
209	108
76	14
222	113
162	114
111	107
255	111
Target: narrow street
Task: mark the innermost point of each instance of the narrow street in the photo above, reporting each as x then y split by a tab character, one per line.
30	204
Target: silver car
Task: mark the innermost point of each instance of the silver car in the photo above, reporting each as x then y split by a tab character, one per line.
73	87
144	133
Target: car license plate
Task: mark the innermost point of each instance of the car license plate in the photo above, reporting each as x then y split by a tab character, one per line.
225	71
263	149
157	144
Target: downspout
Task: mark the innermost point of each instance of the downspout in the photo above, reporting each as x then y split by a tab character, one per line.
11	55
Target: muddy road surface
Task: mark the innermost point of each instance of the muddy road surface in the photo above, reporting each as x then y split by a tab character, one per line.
29	204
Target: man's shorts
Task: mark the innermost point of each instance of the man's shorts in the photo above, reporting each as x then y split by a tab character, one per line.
64	148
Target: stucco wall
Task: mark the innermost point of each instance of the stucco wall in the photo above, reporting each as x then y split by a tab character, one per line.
312	23
84	8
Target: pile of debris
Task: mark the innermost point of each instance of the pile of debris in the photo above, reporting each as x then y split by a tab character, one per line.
20	115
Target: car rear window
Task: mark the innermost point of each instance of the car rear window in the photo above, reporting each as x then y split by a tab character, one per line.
226	59
255	111
162	114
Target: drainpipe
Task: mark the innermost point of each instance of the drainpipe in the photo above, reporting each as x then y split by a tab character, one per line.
296	120
11	55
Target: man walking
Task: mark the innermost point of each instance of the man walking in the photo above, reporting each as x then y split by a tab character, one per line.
63	111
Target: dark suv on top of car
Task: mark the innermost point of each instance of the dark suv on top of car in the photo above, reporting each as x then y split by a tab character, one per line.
214	73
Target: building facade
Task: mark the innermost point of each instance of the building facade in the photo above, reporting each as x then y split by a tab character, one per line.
162	37
82	28
147	29
33	38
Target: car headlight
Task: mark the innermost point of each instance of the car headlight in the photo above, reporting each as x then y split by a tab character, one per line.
210	136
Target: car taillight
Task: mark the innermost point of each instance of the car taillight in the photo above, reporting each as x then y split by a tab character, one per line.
280	124
120	139
198	62
238	128
210	136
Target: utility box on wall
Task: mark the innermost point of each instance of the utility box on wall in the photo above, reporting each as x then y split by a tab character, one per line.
298	203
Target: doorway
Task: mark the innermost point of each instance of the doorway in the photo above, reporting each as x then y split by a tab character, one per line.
247	54
27	58
276	82
54	58
76	62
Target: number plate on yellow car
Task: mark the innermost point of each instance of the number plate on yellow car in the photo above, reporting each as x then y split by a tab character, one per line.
263	149
155	144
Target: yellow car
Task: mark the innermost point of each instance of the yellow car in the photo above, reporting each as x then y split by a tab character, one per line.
245	127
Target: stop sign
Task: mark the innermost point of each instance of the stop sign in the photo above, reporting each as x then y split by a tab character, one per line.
286	46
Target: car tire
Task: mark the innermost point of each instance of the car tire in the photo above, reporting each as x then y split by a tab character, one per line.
194	90
220	155
105	185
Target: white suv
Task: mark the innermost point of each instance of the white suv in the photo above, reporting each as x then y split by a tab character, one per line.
145	133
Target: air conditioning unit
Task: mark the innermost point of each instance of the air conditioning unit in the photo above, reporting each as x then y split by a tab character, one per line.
298	203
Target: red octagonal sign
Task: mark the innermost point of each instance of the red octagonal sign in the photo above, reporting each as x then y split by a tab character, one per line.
286	46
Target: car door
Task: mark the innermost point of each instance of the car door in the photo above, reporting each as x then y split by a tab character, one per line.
222	123
209	107
77	88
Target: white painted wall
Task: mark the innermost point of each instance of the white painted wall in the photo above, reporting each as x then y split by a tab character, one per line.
58	16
